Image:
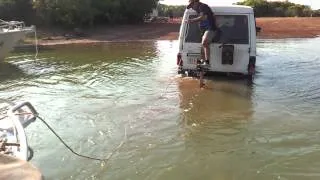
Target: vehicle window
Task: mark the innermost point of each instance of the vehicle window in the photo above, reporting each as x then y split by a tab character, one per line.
233	29
193	34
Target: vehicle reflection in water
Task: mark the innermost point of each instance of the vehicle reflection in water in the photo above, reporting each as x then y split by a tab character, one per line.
214	118
221	99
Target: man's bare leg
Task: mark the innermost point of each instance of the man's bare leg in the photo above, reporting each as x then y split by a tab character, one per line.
206	39
202	53
206	50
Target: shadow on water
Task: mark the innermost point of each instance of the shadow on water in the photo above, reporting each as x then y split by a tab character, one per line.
9	71
80	63
31	48
115	52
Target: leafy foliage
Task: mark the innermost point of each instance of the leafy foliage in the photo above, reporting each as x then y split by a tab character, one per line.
176	11
16	10
265	8
72	13
77	13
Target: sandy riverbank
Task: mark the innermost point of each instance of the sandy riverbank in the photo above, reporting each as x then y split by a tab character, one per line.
271	28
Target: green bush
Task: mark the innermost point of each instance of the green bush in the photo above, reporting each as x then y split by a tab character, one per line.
176	11
76	13
17	10
263	8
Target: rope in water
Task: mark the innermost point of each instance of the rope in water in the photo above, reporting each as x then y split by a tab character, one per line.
36	43
81	155
64	143
95	158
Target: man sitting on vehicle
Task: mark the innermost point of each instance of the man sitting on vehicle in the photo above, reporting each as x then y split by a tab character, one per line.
208	27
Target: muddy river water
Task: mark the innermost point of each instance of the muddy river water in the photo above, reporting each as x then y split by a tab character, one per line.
99	96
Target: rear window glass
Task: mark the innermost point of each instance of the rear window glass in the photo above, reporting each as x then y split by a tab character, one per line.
234	29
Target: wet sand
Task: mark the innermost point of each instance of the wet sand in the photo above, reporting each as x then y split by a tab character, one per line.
274	28
277	28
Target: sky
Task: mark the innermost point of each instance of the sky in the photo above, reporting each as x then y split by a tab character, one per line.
315	4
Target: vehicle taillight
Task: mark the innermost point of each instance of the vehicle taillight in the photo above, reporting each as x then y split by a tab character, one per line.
179	60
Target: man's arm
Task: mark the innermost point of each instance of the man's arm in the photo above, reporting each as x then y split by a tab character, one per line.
200	18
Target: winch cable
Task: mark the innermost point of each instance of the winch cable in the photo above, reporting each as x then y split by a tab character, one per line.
86	156
112	152
81	155
36	43
63	142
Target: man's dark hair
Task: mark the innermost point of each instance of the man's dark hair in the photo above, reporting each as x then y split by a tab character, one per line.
191	4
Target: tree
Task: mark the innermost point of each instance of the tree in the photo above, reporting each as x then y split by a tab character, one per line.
266	8
71	13
177	11
19	10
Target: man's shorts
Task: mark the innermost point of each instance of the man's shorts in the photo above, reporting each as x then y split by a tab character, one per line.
208	36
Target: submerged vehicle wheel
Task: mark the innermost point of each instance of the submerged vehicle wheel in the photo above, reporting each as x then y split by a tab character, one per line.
252	66
251	70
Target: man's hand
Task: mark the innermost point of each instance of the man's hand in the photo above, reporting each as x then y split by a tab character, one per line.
188	21
199	18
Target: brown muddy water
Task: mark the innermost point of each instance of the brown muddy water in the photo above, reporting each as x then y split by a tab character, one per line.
98	96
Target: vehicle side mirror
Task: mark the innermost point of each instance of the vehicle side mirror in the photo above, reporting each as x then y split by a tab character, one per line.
258	29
